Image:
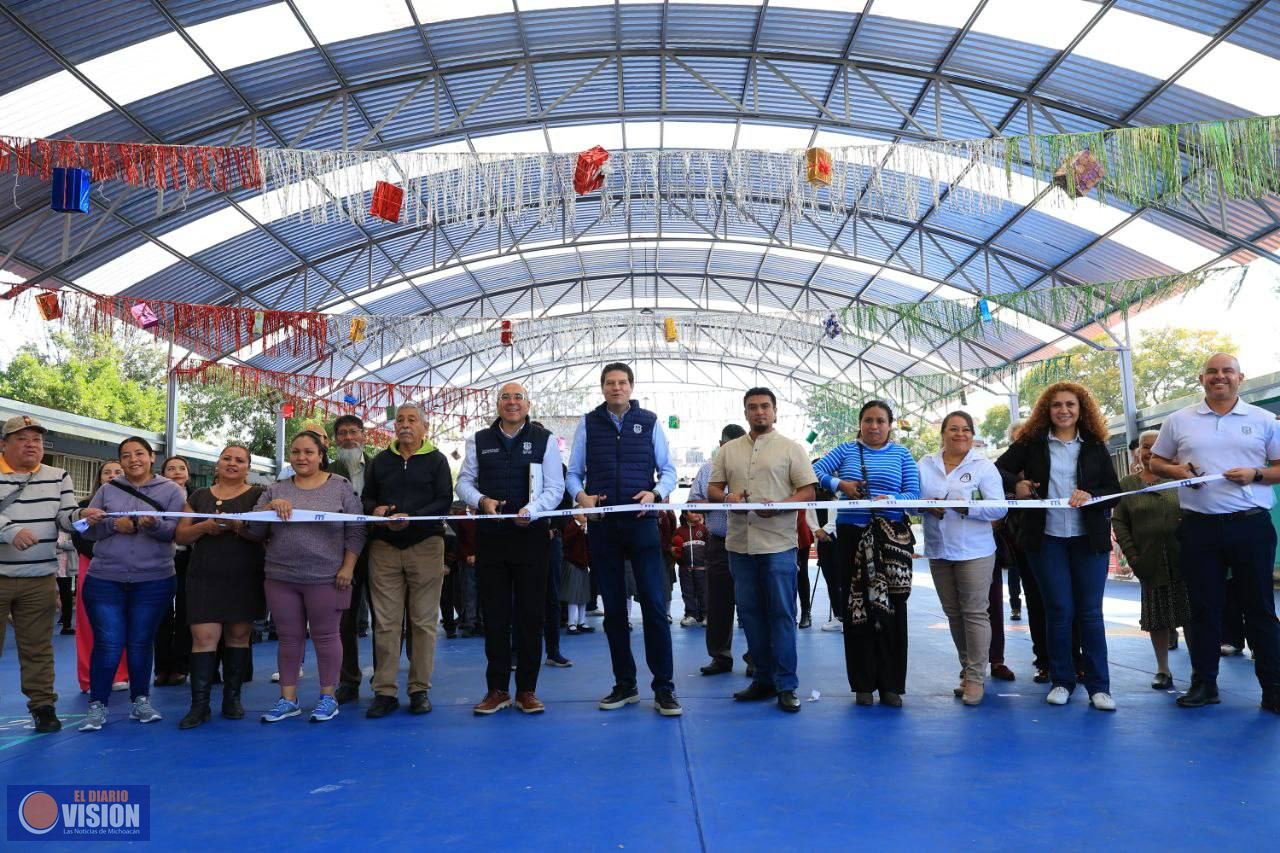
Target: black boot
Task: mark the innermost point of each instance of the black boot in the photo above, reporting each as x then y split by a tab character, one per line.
202	664
234	663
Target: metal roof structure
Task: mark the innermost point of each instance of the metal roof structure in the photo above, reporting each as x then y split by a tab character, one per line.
547	75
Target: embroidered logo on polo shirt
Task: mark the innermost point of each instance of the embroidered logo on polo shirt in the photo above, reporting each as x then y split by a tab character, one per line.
1246	430
637	429
966	477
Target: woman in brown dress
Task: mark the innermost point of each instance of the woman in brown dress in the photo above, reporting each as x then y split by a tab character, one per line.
224	586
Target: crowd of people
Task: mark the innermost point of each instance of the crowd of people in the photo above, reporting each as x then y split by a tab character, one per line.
181	595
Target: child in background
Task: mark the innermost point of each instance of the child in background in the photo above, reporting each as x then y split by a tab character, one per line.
688	546
575	581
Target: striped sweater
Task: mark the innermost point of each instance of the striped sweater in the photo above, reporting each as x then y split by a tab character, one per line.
890	471
47	504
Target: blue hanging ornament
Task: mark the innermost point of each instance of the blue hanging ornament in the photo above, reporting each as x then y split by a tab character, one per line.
69	190
984	310
831	327
349	399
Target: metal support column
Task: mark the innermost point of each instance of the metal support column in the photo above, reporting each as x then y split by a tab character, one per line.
1014	417
279	440
171	408
1128	393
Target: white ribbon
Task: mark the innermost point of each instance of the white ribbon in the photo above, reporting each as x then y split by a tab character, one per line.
312	516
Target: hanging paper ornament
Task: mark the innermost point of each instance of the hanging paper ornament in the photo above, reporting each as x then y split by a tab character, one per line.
964	398
144	316
817	167
508	335
589	174
831	327
669	330
1079	174
673	422
811	437
387	201
70	190
984	310
359	326
259	323
391	413
286	411
904	424
350	399
50	307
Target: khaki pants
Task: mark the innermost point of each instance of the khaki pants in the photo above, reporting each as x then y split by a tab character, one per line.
963	588
412	576
31	603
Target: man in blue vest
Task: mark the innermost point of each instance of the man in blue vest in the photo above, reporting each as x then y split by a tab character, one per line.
617	450
512	467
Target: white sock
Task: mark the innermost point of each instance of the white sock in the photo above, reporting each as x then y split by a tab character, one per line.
576	614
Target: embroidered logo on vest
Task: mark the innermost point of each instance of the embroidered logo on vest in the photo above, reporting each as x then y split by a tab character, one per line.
637	429
528	447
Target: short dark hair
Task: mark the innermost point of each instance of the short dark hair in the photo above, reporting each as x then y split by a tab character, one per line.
760	392
875	404
343	420
134	439
617	365
732	431
1133	445
968	418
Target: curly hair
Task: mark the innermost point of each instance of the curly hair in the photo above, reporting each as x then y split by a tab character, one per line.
1091	423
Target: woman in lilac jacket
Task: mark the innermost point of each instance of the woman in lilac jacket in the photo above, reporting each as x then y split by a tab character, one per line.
131	579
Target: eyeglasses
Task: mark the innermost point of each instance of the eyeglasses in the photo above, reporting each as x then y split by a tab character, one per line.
519	398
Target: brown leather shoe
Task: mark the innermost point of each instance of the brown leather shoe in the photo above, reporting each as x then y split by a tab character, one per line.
528	703
1002	672
493	702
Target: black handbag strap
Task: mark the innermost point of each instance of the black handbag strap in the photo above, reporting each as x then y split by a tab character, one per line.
8	499
128	489
866	481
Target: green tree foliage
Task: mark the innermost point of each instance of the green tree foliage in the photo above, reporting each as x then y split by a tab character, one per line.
995	426
1166	364
833	414
922	439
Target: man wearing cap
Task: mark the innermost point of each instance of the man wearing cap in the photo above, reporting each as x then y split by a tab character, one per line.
36	501
1226	524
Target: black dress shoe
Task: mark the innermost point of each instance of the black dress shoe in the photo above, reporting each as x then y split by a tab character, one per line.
1162	681
788	701
1200	695
1173	642
891	699
665	702
1041	676
717	667
382	705
46	720
1271	701
347	693
755	692
805	621
419	702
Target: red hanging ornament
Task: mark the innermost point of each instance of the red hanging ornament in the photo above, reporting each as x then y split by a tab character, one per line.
286	411
817	163
50	307
590	173
508	335
387	201
144	316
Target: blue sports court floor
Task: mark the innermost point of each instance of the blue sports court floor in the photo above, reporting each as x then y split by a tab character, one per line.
1012	773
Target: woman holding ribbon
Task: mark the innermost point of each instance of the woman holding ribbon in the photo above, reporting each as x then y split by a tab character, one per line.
131	580
309	568
961	546
1146	526
875	551
224	585
1061	454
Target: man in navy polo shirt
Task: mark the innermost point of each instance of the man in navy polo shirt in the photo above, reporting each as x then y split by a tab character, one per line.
620	456
512	467
1226	525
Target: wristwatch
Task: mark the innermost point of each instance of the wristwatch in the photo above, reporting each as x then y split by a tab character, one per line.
1257	475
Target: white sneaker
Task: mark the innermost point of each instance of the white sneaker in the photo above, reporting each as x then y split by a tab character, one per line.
1058	696
834	625
1227	650
1103	701
117	686
688	622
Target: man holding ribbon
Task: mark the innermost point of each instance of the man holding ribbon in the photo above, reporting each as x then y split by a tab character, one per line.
1226	526
618	448
512	468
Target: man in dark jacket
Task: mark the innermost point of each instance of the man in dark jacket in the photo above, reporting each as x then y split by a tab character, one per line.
352	462
406	558
620	456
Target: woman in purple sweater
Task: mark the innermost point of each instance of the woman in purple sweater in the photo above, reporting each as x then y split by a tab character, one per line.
131	581
309	569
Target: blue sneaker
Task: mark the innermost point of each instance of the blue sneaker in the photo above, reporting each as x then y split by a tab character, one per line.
282	710
326	709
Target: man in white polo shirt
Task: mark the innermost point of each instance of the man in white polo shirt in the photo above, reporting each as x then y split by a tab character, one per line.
1226	525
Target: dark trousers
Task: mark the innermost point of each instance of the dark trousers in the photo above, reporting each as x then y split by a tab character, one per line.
829	563
511	572
173	636
803	587
875	653
995	612
67	598
720	601
1233	631
551	610
348	627
449	610
612	538
1015	587
1246	546
123	616
1036	621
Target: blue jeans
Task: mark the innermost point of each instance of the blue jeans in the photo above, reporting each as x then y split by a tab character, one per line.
765	588
609	540
124	616
1072	577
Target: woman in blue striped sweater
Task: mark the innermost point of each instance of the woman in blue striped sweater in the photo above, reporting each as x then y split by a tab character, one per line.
874	552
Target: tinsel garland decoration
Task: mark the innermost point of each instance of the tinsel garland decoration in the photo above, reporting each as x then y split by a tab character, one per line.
1160	165
311	393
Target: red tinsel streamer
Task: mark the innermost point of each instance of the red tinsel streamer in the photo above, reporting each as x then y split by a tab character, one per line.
210	167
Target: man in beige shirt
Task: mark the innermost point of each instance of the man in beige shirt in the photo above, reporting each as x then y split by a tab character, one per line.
764	467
